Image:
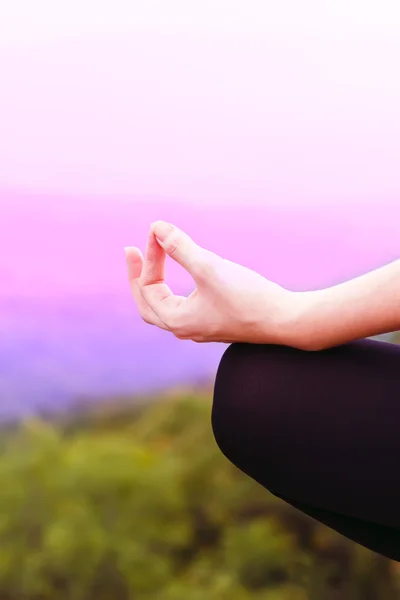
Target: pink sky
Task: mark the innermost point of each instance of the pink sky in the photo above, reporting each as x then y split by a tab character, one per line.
54	247
271	104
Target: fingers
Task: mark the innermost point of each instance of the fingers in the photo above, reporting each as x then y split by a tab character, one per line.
154	265
180	246
163	303
153	288
156	302
134	261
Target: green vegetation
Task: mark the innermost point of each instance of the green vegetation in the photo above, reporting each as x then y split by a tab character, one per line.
142	505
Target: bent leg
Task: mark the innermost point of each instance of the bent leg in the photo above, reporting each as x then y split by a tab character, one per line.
321	430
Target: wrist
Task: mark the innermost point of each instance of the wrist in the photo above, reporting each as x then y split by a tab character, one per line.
361	307
299	330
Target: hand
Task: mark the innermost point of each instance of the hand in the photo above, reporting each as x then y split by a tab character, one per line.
231	303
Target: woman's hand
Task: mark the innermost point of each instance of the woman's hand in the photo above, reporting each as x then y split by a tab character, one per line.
230	303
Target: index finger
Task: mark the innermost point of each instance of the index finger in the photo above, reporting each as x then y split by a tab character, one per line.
155	291
154	263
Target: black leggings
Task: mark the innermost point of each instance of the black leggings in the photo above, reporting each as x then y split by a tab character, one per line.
320	430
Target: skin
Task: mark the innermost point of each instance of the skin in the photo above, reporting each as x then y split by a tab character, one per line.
232	303
362	307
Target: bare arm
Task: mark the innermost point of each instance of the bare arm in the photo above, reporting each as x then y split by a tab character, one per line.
232	303
362	307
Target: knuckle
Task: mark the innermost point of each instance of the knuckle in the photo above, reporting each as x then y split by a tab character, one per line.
180	337
172	243
146	318
179	332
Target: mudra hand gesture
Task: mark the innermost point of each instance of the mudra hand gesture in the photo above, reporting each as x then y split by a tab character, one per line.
230	303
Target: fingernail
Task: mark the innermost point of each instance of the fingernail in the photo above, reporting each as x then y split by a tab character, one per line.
161	229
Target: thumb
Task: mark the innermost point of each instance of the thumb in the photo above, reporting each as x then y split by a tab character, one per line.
180	246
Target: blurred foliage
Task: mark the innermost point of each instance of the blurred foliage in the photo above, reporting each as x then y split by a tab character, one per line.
142	505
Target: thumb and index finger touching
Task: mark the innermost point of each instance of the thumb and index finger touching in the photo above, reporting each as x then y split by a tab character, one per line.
179	246
164	238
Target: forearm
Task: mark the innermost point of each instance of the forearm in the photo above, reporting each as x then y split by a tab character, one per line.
362	307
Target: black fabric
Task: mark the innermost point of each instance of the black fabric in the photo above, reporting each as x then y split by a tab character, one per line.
321	430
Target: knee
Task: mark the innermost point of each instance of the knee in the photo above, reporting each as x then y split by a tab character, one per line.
245	410
251	405
223	423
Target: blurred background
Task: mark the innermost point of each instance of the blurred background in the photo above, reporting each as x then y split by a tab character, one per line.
270	133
